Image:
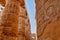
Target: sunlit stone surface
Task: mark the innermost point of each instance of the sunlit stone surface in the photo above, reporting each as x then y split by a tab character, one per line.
33	36
48	19
15	21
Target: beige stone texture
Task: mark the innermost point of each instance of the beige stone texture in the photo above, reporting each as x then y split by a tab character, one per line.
48	19
33	36
15	21
2	2
10	17
24	23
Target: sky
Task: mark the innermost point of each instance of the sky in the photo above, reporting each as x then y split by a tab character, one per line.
0	7
31	11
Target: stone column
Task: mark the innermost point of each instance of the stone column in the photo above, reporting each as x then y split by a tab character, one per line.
24	32
48	19
24	24
10	19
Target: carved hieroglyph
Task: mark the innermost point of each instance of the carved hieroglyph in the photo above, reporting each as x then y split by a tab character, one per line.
24	24
15	21
10	17
48	19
